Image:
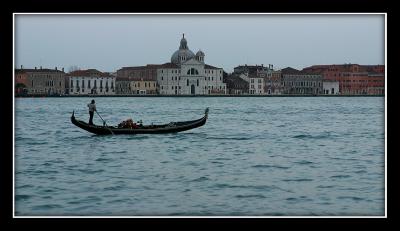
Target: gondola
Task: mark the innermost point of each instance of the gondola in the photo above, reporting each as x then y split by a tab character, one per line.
172	127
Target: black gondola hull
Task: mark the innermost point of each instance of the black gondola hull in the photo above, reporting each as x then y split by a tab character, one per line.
173	127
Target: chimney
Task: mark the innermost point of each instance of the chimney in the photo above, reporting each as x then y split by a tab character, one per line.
35	68
21	67
56	68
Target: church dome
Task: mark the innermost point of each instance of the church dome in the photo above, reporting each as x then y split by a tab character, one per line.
200	53
183	54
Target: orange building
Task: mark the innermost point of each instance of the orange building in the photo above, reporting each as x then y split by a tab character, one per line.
354	79
21	81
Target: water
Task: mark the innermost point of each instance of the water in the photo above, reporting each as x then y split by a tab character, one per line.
254	157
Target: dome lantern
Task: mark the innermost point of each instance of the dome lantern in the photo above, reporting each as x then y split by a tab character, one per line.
183	53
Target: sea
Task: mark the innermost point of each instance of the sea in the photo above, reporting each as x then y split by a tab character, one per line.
255	156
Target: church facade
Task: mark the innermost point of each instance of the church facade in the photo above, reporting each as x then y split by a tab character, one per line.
187	74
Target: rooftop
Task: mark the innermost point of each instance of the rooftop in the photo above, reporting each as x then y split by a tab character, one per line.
148	66
292	71
38	70
206	66
89	72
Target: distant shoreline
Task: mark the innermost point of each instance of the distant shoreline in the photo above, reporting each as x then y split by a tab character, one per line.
141	96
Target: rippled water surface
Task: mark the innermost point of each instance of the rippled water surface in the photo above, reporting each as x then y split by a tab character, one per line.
254	156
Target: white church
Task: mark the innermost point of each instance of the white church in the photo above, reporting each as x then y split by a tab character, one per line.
187	74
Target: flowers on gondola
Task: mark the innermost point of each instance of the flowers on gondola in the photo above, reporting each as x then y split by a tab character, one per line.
128	124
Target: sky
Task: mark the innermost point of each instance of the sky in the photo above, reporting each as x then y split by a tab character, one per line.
110	42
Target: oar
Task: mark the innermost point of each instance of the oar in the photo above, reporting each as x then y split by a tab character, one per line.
105	123
101	119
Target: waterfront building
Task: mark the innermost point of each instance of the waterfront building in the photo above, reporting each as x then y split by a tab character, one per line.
90	82
273	83
137	80
256	84
259	77
244	76
188	74
123	86
301	82
236	85
40	81
354	79
143	87
258	70
21	82
330	87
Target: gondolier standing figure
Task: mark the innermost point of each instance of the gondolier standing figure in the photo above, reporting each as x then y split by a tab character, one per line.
92	109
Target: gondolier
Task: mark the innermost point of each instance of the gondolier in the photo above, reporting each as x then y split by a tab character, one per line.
92	109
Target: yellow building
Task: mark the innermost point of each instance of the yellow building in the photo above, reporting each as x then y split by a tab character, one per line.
137	80
143	87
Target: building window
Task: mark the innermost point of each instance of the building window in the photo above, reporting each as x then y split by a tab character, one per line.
192	71
77	83
197	82
187	82
95	84
101	84
83	83
88	84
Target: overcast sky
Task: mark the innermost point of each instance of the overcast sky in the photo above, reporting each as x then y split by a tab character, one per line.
109	42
